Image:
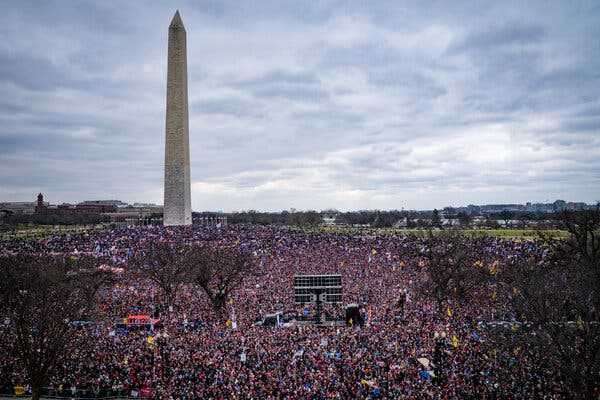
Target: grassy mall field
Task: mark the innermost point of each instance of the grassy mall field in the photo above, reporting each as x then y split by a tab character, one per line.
507	233
43	231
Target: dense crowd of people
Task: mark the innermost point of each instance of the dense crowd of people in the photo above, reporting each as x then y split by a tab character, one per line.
404	349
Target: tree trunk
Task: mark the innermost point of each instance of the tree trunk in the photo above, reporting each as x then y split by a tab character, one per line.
440	304
36	391
219	303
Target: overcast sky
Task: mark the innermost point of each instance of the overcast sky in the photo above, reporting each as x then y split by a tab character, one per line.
305	104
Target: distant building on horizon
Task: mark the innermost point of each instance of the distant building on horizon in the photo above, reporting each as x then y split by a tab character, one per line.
18	207
116	210
485	209
115	203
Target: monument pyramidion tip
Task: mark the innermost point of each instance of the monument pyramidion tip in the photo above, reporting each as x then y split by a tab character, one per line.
176	22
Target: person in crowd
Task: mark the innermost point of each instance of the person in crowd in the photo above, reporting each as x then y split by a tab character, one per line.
196	354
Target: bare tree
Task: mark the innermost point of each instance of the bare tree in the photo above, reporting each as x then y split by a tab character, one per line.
41	297
219	270
436	220
451	272
584	242
165	264
556	299
506	216
464	219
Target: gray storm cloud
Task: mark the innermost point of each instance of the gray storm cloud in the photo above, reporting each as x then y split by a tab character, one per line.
305	104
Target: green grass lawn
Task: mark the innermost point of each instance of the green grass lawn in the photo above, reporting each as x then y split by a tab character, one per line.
500	233
43	231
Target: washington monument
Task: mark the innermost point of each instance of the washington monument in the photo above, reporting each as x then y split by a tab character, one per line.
177	204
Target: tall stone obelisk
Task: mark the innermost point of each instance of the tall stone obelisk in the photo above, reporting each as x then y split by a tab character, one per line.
177	204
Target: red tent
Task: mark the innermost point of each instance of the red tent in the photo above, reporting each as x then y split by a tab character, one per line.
141	319
146	392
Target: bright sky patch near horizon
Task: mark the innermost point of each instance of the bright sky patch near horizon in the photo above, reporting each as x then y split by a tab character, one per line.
310	105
